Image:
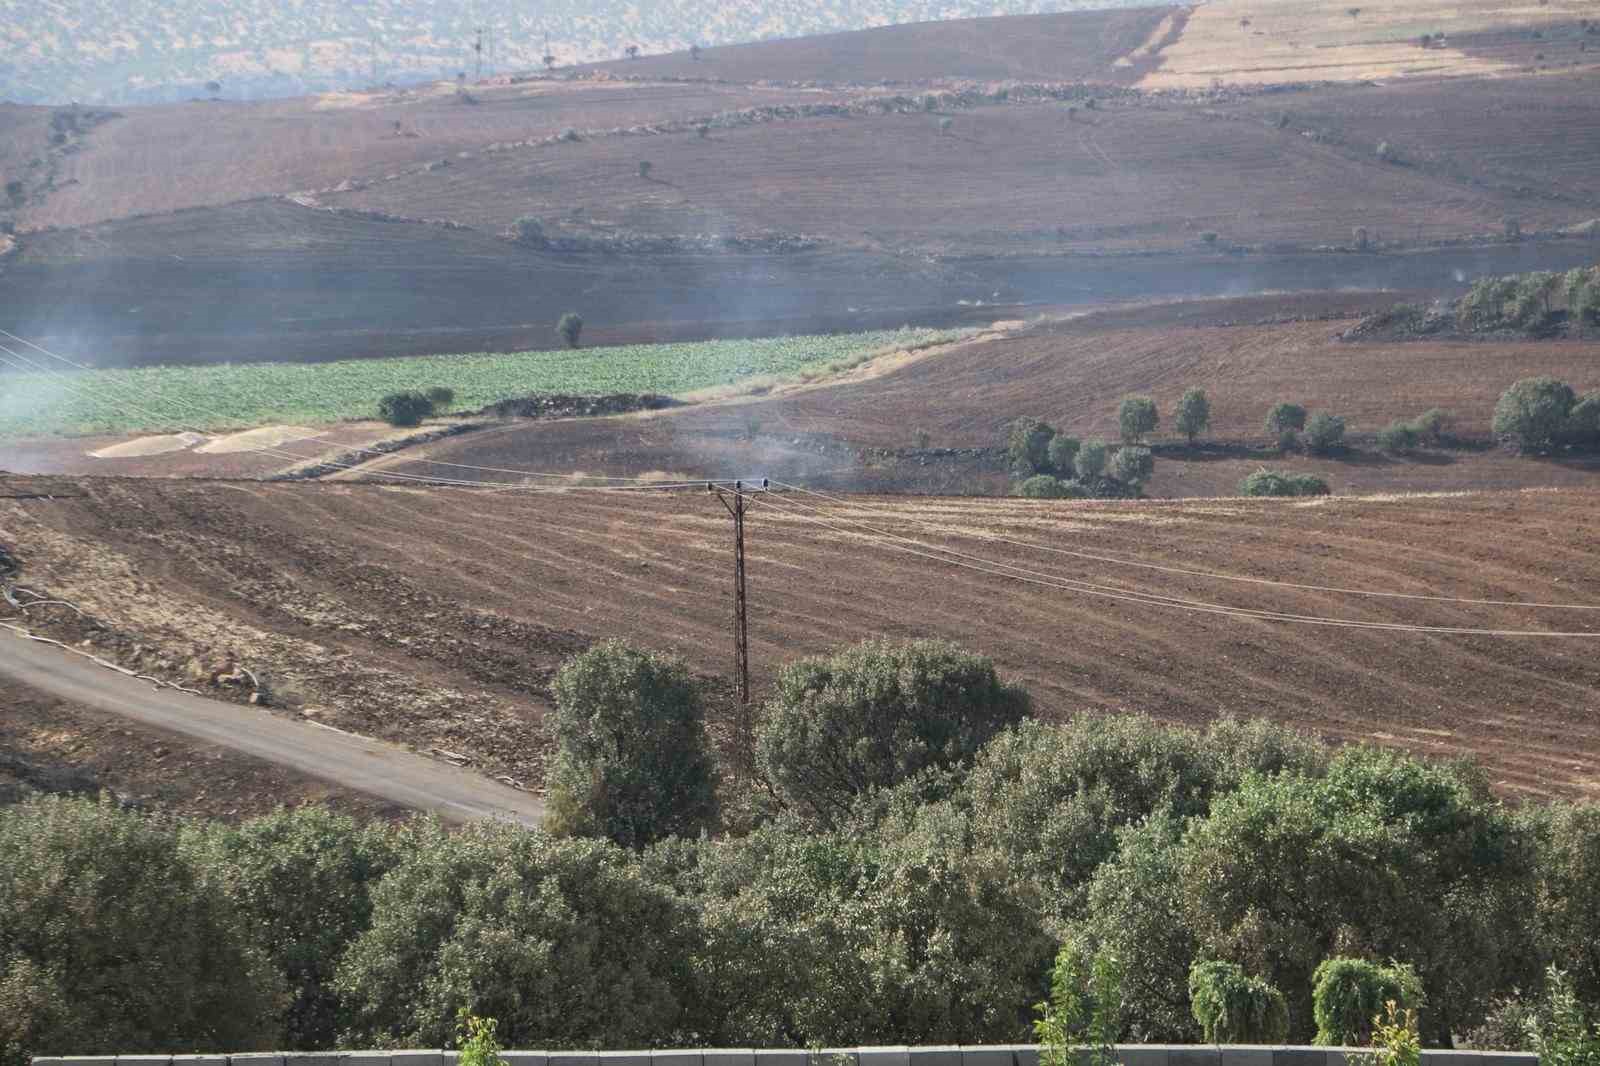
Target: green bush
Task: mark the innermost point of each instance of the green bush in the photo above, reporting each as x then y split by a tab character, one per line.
1568	892
1193	414
632	762
570	327
530	231
1399	436
440	397
303	880
874	715
1234	1008
1085	1008
1324	433
1028	446
1534	412
1133	465
1137	417
1044	487
1266	482
1063	450
1566	1036
546	936
1583	422
1284	422
404	408
1347	994
111	942
1090	462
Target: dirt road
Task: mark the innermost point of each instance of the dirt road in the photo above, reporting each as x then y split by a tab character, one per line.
357	763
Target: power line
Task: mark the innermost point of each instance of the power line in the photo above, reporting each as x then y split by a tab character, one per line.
1217	575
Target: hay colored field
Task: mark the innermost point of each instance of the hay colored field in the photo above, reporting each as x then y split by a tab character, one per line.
220	396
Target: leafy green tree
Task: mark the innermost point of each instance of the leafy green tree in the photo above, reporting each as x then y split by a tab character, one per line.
1534	412
1043	487
1235	1008
1400	858
1399	436
546	936
632	762
570	327
873	715
303	879
404	408
1063	450
1324	432
1583	422
1284	422
1568	891
1133	465
109	940
1028	446
440	397
1090	462
1347	994
1137	417
1085	1008
1193	414
1566	1037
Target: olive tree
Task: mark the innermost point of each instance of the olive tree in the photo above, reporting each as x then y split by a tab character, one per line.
1090	462
570	327
1534	411
1028	446
1063	450
632	762
873	715
1285	421
1324	432
1137	417
1132	465
1193	414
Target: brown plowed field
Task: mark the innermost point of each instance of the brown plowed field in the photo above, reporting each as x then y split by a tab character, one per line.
433	616
866	433
1004	178
175	156
1069	46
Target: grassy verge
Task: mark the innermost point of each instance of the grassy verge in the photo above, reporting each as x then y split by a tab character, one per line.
252	394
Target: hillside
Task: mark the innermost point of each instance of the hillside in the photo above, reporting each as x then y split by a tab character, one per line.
143	50
357	604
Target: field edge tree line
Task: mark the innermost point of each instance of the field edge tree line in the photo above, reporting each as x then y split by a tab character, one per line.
912	858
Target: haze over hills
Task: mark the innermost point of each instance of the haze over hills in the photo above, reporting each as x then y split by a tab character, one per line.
97	51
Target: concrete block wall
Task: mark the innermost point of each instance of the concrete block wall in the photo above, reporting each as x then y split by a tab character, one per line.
990	1055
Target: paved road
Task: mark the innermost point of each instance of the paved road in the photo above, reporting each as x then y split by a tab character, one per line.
357	763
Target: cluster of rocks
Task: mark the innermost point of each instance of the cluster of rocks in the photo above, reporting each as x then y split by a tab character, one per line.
560	405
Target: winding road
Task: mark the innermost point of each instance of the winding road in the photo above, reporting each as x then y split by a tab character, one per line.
354	762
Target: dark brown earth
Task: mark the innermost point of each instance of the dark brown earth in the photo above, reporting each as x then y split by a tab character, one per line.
435	616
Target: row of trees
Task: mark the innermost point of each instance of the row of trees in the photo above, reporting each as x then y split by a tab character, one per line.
1532	302
1050	465
911	857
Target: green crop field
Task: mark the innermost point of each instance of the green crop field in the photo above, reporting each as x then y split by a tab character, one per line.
253	394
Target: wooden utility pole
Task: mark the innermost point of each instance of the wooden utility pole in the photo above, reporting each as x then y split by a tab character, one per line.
478	49
734	501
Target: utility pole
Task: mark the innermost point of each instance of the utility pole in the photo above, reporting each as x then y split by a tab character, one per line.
741	631
478	48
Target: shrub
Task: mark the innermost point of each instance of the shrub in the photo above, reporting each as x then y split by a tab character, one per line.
1193	414
632	763
530	231
1569	893
302	878
1133	465
1385	152
1565	1037
644	169
404	408
1233	1008
1090	462
1534	412
478	1044
1085	1008
1583	423
944	125
1433	424
570	327
1137	417
1324	433
1042	487
1395	1040
547	936
1285	421
1266	482
1209	237
875	714
441	397
1028	446
1363	242
1399	436
1061	453
109	940
571	135
1347	995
